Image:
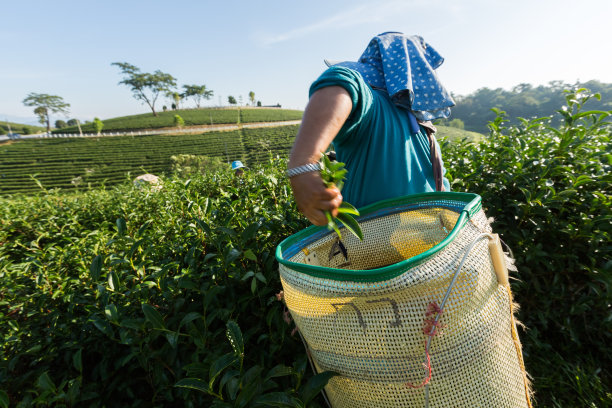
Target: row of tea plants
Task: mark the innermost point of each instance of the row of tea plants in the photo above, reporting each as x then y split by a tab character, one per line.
70	163
191	117
156	298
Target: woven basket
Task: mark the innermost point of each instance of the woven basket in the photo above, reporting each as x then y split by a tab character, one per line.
415	315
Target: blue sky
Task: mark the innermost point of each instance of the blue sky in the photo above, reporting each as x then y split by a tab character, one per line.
276	48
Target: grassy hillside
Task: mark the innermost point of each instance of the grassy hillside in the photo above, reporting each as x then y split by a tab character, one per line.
19	128
78	162
192	117
455	134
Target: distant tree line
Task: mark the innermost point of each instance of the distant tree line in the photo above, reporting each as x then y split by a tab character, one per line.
524	100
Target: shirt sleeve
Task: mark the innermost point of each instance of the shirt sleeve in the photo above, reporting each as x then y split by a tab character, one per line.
358	90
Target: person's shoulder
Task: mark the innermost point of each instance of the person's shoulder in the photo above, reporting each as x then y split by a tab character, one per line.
343	72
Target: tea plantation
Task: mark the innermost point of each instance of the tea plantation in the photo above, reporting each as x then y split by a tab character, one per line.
70	163
84	162
192	117
139	297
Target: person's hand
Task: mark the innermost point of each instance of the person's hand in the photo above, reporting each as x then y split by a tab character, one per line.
313	198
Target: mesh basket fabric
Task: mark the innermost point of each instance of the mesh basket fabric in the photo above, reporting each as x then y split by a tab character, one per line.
363	307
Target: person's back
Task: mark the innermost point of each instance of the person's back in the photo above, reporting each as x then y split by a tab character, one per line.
384	154
369	109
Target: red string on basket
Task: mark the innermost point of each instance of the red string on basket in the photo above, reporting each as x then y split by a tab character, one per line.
431	328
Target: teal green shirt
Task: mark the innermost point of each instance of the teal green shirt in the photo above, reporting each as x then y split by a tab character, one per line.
383	159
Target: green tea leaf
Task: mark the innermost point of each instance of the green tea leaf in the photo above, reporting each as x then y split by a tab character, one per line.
315	385
247	393
260	277
250	255
111	313
77	360
4	399
172	338
113	280
153	316
347	208
277	399
189	317
334	174
229	378
45	383
331	224
219	365
95	269
351	224
194	384
248	275
232	255
104	326
234	335
143	227
280	370
121	226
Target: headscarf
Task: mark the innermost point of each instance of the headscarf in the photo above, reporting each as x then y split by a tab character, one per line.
404	66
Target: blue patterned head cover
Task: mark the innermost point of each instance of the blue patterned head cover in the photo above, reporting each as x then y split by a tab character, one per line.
404	66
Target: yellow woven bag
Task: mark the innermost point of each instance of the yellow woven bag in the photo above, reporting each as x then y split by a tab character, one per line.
419	314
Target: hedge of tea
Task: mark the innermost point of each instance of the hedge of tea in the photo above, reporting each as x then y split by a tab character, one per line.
550	193
145	298
192	117
90	162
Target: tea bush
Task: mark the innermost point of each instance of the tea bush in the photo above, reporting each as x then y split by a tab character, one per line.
123	297
192	117
549	190
154	298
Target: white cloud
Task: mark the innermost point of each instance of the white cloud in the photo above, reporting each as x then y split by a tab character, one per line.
366	13
345	19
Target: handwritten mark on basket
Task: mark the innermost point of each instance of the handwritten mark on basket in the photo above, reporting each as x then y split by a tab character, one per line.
397	322
359	316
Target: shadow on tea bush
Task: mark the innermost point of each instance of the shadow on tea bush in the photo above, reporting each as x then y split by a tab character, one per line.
549	192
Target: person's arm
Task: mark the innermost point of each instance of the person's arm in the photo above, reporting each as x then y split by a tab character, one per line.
326	112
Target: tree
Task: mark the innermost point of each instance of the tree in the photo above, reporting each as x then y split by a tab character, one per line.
98	125
72	122
197	92
252	98
231	100
145	86
60	124
44	104
176	97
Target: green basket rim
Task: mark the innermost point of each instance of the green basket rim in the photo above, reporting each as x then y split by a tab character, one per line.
473	204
